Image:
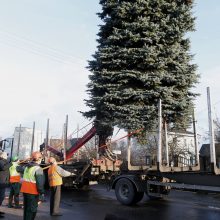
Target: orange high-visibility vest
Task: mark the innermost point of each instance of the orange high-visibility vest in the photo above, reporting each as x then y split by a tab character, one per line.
14	175
54	178
29	181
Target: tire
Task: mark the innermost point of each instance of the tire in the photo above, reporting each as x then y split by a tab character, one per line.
125	192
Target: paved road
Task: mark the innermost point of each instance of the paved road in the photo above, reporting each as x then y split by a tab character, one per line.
99	204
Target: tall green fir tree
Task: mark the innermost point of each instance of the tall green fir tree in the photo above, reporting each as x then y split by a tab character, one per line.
143	55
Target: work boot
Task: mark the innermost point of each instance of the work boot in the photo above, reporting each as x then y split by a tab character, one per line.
17	204
16	199
10	201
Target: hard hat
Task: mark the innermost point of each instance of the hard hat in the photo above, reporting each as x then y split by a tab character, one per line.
36	155
51	160
14	158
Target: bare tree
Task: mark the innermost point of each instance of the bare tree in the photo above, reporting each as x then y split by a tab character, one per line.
217	130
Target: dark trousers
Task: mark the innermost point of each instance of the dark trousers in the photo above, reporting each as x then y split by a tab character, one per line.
14	193
30	206
55	193
2	194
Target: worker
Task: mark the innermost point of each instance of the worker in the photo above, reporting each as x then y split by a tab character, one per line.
15	184
55	174
32	185
4	177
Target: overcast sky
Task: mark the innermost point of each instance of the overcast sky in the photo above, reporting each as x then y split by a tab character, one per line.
44	48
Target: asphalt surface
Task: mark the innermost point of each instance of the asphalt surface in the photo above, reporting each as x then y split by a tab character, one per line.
99	204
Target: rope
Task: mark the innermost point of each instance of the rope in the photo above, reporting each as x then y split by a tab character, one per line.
57	163
23	161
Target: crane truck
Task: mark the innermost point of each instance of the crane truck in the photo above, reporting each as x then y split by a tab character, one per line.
131	182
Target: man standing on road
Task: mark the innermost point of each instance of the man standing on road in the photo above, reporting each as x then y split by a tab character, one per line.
4	176
15	184
32	186
55	174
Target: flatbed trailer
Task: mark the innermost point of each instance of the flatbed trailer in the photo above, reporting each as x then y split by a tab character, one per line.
130	187
157	181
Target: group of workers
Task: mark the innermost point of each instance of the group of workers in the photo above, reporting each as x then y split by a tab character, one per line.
29	179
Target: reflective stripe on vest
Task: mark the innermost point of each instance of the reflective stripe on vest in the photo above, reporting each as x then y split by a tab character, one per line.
54	178
29	181
14	175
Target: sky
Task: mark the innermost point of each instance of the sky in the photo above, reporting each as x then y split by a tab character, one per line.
44	49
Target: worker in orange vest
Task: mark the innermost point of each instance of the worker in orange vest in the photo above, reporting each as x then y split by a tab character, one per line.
15	184
32	185
55	174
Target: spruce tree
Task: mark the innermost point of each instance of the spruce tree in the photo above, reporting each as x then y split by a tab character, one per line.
143	54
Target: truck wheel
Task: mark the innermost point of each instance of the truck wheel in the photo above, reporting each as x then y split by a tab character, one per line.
125	192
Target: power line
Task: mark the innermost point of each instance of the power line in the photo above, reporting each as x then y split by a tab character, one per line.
30	41
35	52
205	109
37	48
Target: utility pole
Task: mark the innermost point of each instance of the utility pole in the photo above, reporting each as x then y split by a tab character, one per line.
46	142
129	150
65	139
166	144
19	140
47	133
195	139
77	140
211	132
32	141
12	143
159	135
